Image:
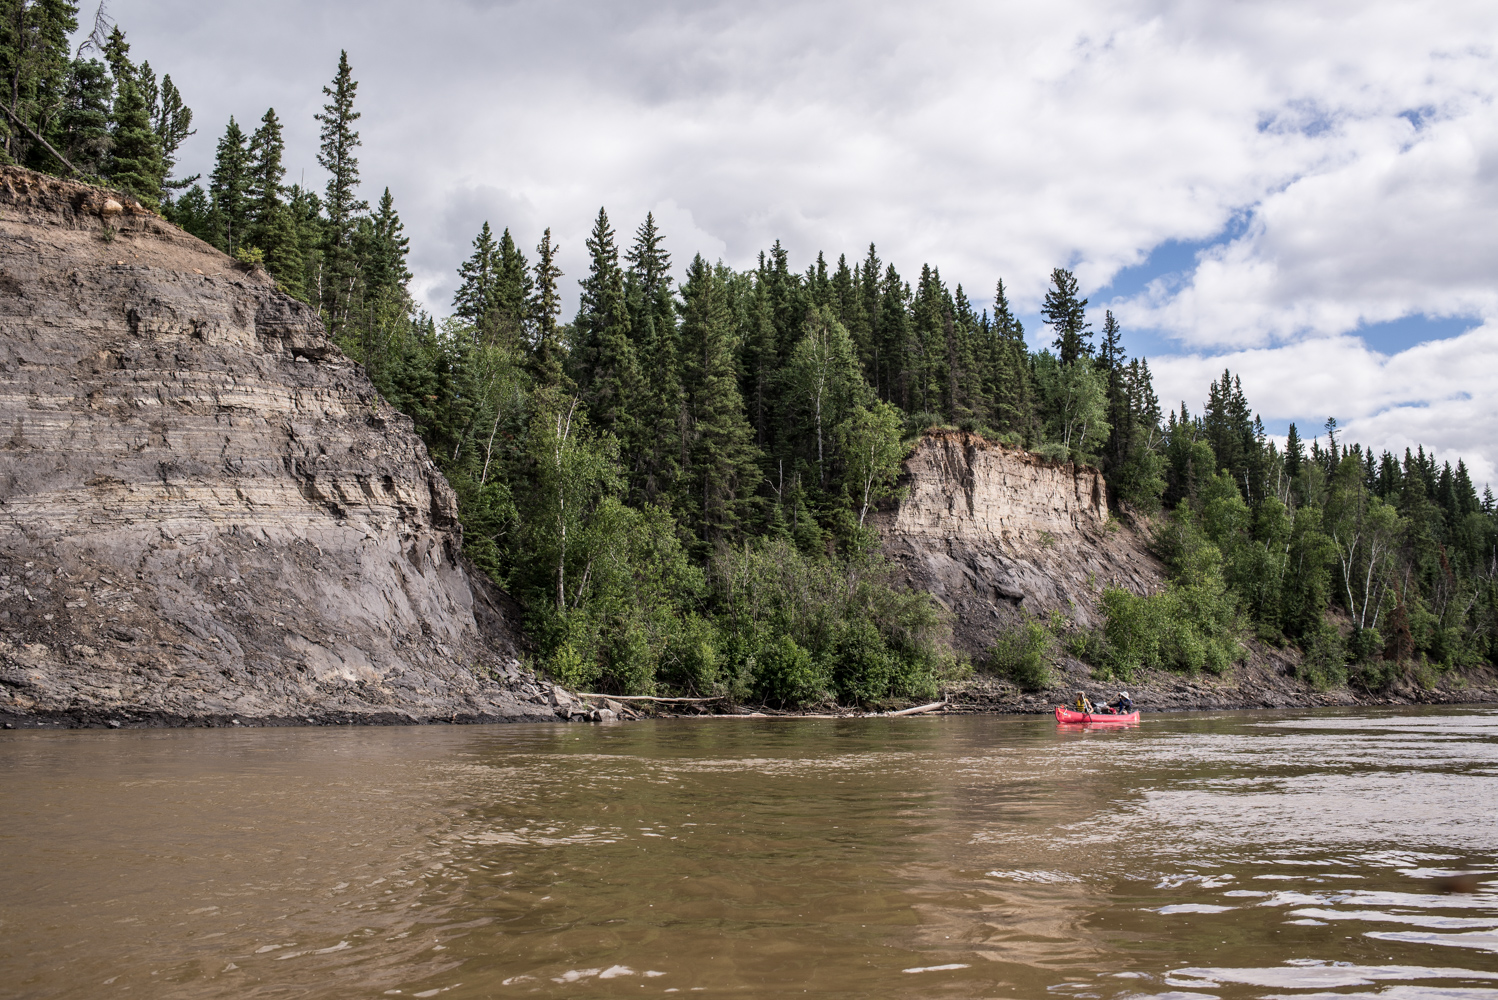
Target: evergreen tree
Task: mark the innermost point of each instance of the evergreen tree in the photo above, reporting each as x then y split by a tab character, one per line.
1067	314
548	355
605	364
265	168
722	465
271	228
650	264
894	326
342	205
761	358
653	321
1295	454
117	54
1111	361
1011	387
305	211
505	321
385	251
229	190
171	119
478	278
870	342
926	361
136	164
193	212
83	133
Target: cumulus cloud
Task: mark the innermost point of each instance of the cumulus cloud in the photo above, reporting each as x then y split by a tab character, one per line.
1347	147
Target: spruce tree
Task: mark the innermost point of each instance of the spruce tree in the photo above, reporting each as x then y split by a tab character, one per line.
172	121
505	322
653	322
605	364
926	360
1295	454
342	205
229	190
1111	361
83	134
1013	384
265	168
271	227
722	464
117	54
136	165
761	360
305	211
385	251
548	356
870	346
1067	314
649	262
894	337
478	276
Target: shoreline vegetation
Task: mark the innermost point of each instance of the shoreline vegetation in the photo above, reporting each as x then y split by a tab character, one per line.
677	484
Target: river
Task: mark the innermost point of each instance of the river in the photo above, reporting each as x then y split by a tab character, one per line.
1230	854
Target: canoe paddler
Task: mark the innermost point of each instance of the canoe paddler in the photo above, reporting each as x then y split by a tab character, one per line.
1123	704
1084	703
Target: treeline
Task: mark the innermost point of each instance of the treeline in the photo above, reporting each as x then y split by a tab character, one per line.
677	482
92	114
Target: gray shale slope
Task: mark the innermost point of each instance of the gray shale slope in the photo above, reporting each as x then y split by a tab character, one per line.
994	531
207	513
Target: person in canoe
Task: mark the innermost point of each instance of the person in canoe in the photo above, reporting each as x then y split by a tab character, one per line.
1123	704
1084	703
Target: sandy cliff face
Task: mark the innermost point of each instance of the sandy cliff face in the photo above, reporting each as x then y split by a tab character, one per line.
990	529
206	511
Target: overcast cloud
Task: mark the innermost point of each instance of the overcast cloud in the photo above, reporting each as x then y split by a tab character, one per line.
1334	164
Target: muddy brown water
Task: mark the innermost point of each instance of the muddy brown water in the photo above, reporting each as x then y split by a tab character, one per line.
1201	855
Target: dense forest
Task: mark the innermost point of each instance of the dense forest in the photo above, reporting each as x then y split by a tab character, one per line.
677	483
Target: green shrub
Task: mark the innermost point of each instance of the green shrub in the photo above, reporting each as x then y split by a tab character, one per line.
568	669
1188	628
787	675
861	668
1022	654
1324	665
693	661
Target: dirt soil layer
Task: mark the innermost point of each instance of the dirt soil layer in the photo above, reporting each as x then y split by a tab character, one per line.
208	515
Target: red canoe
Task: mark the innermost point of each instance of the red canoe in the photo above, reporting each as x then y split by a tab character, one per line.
1104	718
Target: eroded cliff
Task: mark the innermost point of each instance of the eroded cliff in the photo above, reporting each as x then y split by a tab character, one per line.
989	529
206	511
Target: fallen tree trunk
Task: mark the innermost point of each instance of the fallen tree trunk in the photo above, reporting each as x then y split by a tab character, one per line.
919	709
649	697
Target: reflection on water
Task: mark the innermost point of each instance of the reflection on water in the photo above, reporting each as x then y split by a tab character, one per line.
1227	855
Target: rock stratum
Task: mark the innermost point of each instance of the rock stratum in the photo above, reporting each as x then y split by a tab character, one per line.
991	530
207	513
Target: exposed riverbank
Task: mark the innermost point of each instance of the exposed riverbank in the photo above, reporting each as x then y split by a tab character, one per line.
1264	682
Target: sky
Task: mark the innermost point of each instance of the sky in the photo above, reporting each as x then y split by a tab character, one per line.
1305	193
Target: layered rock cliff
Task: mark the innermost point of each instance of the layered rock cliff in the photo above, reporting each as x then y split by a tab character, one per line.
991	530
206	511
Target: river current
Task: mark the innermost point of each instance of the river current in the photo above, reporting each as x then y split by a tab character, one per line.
1235	854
